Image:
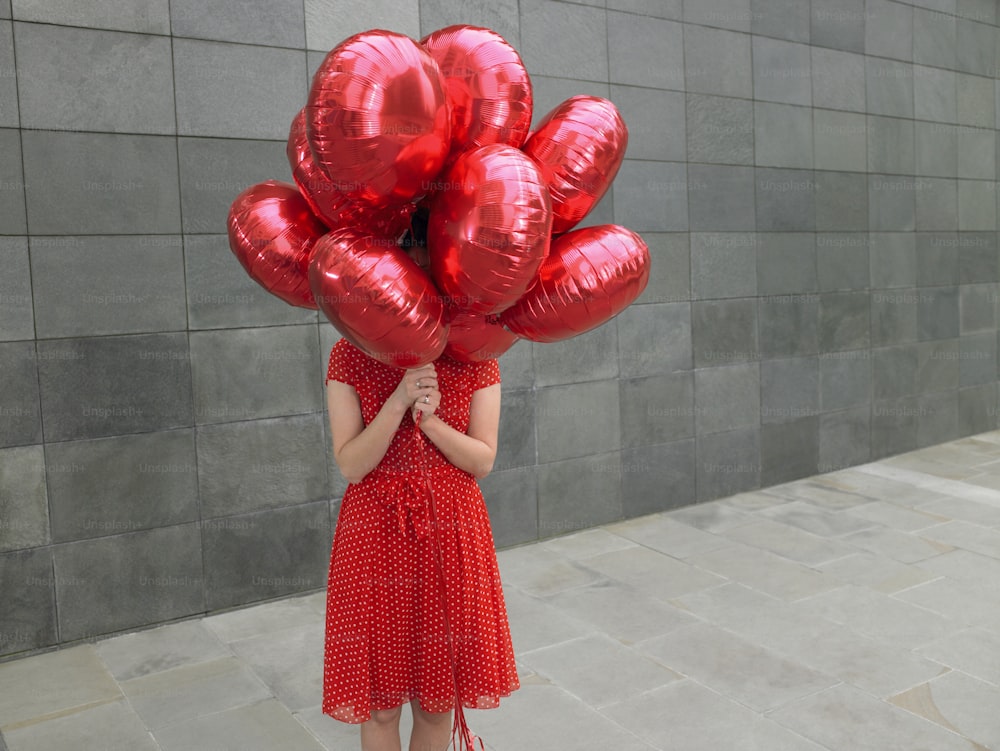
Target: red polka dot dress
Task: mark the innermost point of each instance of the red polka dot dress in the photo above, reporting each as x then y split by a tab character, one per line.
386	638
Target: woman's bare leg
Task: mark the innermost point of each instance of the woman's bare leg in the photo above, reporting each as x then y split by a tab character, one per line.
431	730
381	732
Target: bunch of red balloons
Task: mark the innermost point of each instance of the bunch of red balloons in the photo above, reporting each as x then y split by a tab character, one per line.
428	144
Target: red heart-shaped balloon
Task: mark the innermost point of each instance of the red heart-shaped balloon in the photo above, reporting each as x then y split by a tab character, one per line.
579	147
589	277
489	229
378	298
272	231
377	118
472	338
331	205
488	88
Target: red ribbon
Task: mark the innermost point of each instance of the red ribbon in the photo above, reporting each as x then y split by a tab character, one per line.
461	733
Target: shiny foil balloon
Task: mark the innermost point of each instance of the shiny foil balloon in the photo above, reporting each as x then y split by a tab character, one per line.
377	118
273	232
489	90
579	146
489	229
589	277
472	338
378	299
330	204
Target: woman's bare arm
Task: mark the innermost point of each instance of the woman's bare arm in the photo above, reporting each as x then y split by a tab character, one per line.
476	450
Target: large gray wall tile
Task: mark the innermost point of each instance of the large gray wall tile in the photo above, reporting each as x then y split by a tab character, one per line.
28	618
329	22
786	261
721	198
512	500
933	38
788	325
838	80
656	409
109	486
723	264
549	92
578	51
9	117
260	464
12	187
842	258
982	11
844	321
934	94
24	508
267	554
974	97
789	450
784	19
21	423
724	331
839	24
124	581
845	380
889	29
891	203
651	196
893	259
17	320
937	313
94	183
5	9
841	202
977	409
786	200
719	129
645	51
122	384
789	389
592	356
214	171
658	8
516	443
727	398
517	368
977	257
840	141
281	23
894	372
128	74
976	47
782	71
783	135
977	153
977	205
894	316
243	374
978	306
108	285
937	203
658	478
655	121
977	359
717	62
728	463
501	16
147	16
221	89
891	145
579	493
937	258
670	268
937	366
568	415
894	426
220	294
937	418
844	439
936	149
654	339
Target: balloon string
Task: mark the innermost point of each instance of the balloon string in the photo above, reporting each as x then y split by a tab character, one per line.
462	738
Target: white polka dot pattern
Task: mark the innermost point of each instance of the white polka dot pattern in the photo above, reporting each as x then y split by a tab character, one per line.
386	642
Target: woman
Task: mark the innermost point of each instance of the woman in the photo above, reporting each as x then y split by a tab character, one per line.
413	533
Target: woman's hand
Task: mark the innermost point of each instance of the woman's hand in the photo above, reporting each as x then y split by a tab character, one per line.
418	390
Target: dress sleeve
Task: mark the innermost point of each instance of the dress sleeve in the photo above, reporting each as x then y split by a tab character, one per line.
343	363
486	373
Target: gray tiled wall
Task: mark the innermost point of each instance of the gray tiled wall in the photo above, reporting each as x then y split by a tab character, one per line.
816	180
